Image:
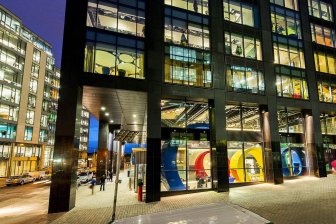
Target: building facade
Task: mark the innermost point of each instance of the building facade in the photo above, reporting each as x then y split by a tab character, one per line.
29	94
237	91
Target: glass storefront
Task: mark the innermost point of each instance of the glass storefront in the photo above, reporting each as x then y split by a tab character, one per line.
185	148
245	160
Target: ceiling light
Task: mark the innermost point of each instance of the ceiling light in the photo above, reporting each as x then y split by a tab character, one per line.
111	121
107	114
134	115
103	108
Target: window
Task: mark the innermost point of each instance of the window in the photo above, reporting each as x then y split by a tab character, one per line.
286	22
30	117
35	70
31	101
9	112
242	46
10	94
36	56
117	56
197	6
323	35
7	130
290	4
43	136
244	79
50	63
290	121
44	120
12	41
11	59
325	63
291	83
288	52
33	86
320	9
327	89
28	134
241	12
10	75
187	67
185	29
119	16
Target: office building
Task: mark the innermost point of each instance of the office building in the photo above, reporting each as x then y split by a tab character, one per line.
222	92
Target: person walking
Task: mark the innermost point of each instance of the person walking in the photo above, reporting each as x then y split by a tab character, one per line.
102	182
92	184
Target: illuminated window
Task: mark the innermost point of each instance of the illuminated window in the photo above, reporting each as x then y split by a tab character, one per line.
290	121
245	79
30	117
241	12
323	35
291	4
28	134
120	16
7	130
325	63
320	9
36	56
327	89
242	46
33	86
197	6
285	22
117	56
288	52
188	30
291	83
187	67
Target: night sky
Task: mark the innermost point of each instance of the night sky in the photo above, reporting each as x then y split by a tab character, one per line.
44	17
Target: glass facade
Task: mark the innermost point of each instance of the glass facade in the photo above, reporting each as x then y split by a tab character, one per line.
185	147
198	6
290	4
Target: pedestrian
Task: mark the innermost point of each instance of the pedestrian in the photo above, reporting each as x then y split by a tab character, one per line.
92	184
108	176
102	182
111	176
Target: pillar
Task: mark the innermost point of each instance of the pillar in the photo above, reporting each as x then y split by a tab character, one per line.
102	148
65	160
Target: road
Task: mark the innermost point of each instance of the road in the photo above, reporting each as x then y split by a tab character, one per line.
24	204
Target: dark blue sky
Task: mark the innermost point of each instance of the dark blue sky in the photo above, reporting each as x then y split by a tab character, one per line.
44	17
